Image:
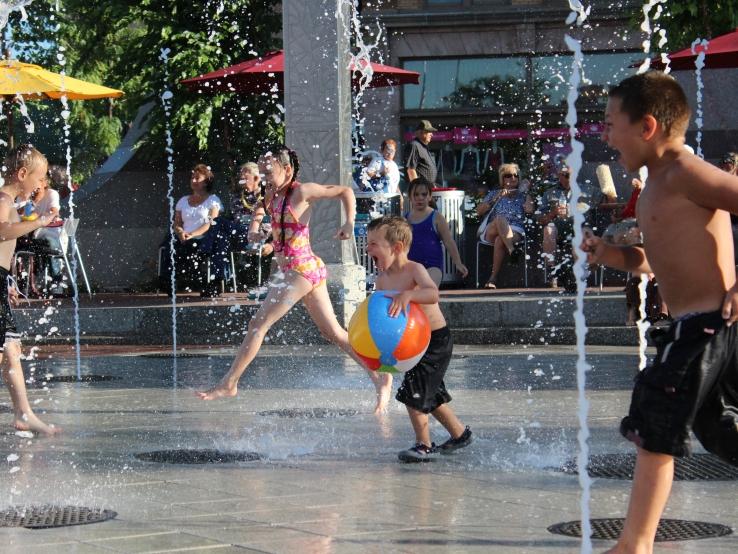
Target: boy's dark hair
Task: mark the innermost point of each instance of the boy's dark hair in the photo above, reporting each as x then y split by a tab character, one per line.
202	169
396	229
657	94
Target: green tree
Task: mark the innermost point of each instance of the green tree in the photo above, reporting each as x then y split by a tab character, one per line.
686	20
119	43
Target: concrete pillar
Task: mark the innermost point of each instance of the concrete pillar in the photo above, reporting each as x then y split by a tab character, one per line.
317	93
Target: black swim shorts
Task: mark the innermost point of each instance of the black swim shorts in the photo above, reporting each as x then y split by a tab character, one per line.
8	331
692	384
423	388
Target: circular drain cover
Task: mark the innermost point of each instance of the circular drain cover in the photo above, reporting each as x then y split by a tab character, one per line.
73	379
43	517
310	413
170	355
668	529
699	467
197	457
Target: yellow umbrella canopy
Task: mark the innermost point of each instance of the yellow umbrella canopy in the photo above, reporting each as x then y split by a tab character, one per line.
34	82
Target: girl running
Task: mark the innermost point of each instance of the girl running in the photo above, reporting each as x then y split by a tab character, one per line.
288	202
430	229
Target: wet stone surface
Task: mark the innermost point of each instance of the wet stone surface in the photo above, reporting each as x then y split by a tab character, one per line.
331	483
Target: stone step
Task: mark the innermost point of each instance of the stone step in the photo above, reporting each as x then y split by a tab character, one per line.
530	318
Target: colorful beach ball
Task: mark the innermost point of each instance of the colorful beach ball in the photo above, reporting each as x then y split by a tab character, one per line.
388	344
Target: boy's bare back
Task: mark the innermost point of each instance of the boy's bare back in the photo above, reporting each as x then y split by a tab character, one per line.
687	239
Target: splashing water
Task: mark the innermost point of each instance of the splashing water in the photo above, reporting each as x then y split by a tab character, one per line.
642	324
699	64
166	98
8	7
65	113
574	161
646	28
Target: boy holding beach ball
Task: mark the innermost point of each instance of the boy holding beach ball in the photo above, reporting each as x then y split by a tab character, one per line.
422	389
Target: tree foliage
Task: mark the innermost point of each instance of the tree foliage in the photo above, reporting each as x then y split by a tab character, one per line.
119	43
686	20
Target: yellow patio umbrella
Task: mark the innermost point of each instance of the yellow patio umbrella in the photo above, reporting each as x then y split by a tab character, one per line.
34	82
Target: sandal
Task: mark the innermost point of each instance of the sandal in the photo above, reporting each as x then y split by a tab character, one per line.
490	285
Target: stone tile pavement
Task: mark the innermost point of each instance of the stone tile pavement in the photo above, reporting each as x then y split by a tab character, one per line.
326	484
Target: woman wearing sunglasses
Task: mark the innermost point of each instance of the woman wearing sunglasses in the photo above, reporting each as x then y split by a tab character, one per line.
503	225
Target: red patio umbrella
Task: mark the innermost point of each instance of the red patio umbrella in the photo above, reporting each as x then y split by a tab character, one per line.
261	74
722	53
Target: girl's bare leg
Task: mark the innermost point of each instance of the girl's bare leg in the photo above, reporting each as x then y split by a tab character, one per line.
282	296
23	419
318	304
651	487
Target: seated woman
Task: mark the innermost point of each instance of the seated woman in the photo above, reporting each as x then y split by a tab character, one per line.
246	197
194	218
504	222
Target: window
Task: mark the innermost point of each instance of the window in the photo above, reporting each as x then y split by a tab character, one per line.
551	76
466	83
512	83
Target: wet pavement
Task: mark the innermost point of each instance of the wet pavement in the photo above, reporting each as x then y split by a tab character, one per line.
328	479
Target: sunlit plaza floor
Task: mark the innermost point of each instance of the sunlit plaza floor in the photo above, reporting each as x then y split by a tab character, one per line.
328	484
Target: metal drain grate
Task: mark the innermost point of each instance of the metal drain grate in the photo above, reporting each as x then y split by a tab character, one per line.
310	413
82	379
169	355
197	457
699	467
667	531
44	517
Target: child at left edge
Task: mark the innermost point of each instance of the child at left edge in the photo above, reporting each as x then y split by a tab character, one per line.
422	390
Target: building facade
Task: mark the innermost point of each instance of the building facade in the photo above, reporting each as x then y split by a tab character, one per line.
494	81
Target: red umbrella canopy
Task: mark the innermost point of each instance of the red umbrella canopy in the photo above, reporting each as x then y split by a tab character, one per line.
267	74
721	53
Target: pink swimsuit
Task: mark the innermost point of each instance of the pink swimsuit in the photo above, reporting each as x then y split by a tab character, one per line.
295	253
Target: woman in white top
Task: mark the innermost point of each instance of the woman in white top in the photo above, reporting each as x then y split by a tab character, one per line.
194	220
196	212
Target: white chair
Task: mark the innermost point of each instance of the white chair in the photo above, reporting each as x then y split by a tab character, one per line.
70	229
67	239
208	275
18	258
482	242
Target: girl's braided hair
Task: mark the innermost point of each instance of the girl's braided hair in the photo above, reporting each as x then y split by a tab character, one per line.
284	157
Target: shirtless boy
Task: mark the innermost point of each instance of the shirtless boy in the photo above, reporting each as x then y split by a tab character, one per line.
422	390
683	214
25	172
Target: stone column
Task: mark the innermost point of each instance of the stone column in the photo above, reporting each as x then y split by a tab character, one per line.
317	94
